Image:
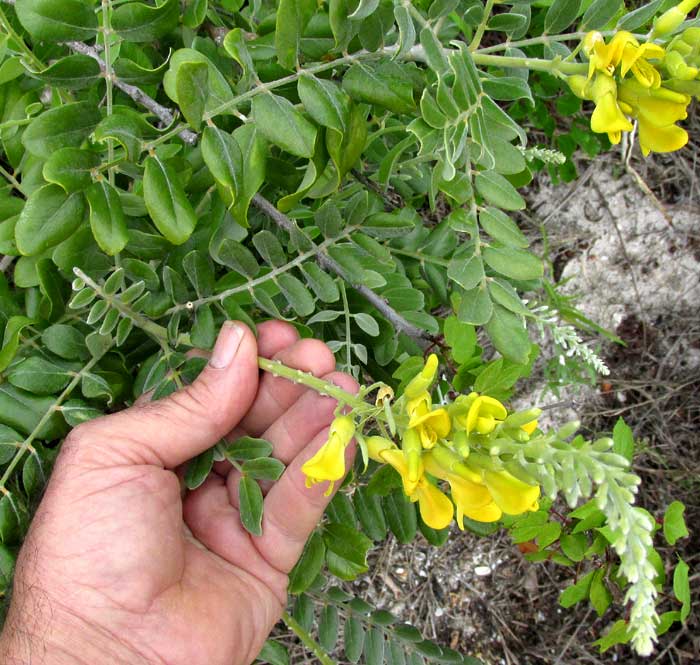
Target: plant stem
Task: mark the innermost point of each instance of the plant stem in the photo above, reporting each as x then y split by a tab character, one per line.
348	338
106	37
482	26
44	419
309	642
535	64
19	42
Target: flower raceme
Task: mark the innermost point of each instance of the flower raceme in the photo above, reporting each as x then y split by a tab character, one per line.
441	445
628	80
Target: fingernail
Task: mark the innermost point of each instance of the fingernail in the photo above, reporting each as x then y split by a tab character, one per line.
226	345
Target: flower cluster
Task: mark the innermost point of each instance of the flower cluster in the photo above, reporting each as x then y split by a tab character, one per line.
646	82
442	444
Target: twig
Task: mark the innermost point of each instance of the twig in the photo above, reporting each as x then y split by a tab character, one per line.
423	338
138	95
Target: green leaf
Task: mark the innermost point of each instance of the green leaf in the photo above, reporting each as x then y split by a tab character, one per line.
191	84
508	88
51	21
353	639
195	13
309	565
576	592
505	295
623	440
71	168
254	151
387	225
513	263
250	500
324	101
476	307
49	216
407	30
600	595
273	653
198	469
247	448
122	128
167	202
73	72
222	155
498	191
280	123
9	519
639	16
560	15
467	272
263	468
199	271
374	646
368	508
461	338
346	550
674	523
502	228
9	442
321	283
65	126
599	14
574	546
139	22
400	516
296	294
384	86
65	341
292	17
107	218
508	334
328	628
23	411
38	376
618	634
203	332
11	337
681	588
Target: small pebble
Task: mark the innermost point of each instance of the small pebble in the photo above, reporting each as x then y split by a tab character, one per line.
482	571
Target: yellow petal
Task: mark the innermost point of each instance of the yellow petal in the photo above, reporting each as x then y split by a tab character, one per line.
488	513
436	509
328	463
396	459
488	410
422	381
437	420
660	139
376	445
419	405
512	496
608	117
529	427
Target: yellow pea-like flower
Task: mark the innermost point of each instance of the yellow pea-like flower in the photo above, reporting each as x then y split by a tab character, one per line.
436	510
484	414
329	462
431	426
530	427
510	494
396	459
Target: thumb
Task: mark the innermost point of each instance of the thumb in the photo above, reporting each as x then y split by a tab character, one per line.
170	431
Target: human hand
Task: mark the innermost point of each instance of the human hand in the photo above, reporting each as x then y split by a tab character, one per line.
118	568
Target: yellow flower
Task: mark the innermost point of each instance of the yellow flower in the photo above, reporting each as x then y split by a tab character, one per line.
459	409
436	509
430	424
423	380
606	57
607	117
636	58
329	462
471	497
510	494
657	111
484	414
